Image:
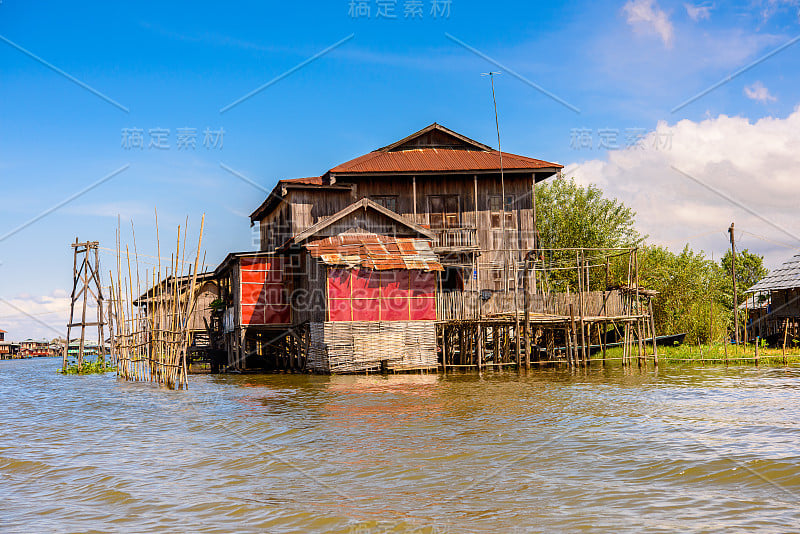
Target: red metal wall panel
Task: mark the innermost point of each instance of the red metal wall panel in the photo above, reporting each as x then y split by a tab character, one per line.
264	295
395	284
277	314
252	314
423	309
423	284
366	309
395	309
338	283
391	295
339	310
365	283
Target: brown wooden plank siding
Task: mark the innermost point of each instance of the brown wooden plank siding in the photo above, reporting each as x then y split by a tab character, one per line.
309	284
301	208
489	240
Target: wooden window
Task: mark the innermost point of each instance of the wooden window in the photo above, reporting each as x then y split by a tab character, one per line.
496	211
444	211
387	201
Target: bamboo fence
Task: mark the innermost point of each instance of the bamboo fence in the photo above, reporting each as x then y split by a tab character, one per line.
151	334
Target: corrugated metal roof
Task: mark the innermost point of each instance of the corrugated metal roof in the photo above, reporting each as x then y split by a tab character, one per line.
311	180
438	160
376	252
786	276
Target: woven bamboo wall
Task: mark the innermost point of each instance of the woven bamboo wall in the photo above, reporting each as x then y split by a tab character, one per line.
359	346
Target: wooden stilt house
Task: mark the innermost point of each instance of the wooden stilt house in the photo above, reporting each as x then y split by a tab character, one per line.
155	301
354	263
773	308
481	218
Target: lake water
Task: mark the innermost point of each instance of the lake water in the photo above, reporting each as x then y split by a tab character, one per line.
683	449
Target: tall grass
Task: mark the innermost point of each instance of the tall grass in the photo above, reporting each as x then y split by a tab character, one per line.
712	353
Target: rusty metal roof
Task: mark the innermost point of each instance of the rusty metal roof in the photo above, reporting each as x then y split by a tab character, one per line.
438	160
311	180
375	252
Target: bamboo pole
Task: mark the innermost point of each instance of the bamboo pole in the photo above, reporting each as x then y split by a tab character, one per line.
758	339
785	332
653	331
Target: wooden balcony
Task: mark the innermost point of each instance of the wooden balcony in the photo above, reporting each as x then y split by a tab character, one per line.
454	239
467	305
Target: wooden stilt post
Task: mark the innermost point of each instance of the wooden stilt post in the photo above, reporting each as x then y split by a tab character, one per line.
481	343
758	339
785	332
653	331
567	345
640	335
601	334
526	291
573	338
444	348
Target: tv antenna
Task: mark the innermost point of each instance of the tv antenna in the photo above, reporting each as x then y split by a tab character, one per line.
491	76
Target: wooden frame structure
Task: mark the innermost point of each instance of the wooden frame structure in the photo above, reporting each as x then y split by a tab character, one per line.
543	325
87	275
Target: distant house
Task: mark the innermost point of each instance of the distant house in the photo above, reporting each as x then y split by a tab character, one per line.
34	347
7	350
774	303
206	291
90	349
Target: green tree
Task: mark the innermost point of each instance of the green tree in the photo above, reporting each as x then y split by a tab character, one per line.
694	295
749	270
689	289
570	215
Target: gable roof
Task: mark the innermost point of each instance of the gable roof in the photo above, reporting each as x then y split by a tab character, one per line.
182	281
435	160
366	204
787	276
433	149
456	140
231	258
438	149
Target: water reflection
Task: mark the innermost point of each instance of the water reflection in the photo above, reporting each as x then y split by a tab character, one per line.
677	449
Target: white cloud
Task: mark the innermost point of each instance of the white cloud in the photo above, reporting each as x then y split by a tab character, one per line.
645	15
754	163
759	93
40	317
698	13
770	8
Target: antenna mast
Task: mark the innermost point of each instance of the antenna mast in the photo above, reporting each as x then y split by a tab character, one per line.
502	177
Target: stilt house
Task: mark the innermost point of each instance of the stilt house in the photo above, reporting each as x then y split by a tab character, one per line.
774	306
356	265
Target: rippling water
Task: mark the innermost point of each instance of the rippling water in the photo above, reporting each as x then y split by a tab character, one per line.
678	450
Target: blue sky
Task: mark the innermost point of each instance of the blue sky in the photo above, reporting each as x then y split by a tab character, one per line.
624	65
